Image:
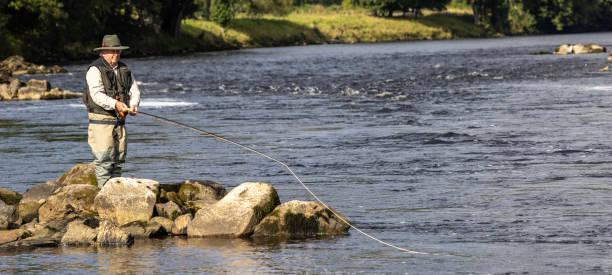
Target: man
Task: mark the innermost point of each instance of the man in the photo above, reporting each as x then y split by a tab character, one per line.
111	88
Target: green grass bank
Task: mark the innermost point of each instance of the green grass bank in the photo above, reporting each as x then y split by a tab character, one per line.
318	25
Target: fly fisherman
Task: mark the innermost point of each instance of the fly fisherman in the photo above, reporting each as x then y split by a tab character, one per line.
110	90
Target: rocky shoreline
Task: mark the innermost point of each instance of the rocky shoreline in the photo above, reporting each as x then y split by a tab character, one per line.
12	88
72	210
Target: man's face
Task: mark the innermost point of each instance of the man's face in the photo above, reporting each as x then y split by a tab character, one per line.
111	56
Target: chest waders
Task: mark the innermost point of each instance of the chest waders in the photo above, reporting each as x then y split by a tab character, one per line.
106	134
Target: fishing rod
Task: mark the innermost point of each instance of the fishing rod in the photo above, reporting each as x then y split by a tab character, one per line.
172	122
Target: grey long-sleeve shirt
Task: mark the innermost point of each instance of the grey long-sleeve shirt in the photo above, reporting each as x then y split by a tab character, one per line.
96	90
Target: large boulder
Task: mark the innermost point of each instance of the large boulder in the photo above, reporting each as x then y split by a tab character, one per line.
109	234
80	174
237	213
8	215
33	198
301	219
126	200
67	204
10	197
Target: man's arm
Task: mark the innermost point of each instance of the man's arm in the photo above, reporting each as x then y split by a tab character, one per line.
96	90
134	97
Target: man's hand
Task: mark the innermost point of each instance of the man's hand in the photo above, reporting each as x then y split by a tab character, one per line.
121	107
134	110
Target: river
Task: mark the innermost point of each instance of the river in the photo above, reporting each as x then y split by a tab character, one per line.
488	158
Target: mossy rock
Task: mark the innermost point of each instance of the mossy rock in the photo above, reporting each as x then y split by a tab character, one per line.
192	190
79	174
10	197
298	219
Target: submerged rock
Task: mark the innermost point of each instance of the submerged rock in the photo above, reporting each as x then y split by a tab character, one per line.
80	174
237	213
33	198
301	219
126	200
67	204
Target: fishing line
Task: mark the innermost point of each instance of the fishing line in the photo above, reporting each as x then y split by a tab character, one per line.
284	165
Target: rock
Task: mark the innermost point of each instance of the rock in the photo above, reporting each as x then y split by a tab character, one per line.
5	75
33	198
39	84
588	48
192	190
109	234
8	215
31	93
301	219
194	206
17	65
79	233
168	210
10	197
237	213
164	222
564	49
179	227
144	230
126	200
68	203
43	236
4	92
80	174
7	236
579	49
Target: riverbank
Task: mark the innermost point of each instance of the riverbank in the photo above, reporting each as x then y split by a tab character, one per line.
319	25
304	26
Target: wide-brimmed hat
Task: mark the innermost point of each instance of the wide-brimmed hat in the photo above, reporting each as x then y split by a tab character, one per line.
111	42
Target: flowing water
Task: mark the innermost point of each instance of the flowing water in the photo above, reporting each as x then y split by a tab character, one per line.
488	158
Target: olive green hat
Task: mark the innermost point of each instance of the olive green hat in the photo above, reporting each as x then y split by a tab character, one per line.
111	42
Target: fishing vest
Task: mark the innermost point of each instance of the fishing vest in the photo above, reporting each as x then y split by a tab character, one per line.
115	86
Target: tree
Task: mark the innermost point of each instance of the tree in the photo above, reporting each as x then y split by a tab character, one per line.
221	12
173	12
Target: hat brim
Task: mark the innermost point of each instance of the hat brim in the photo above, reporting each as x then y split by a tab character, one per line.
121	48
